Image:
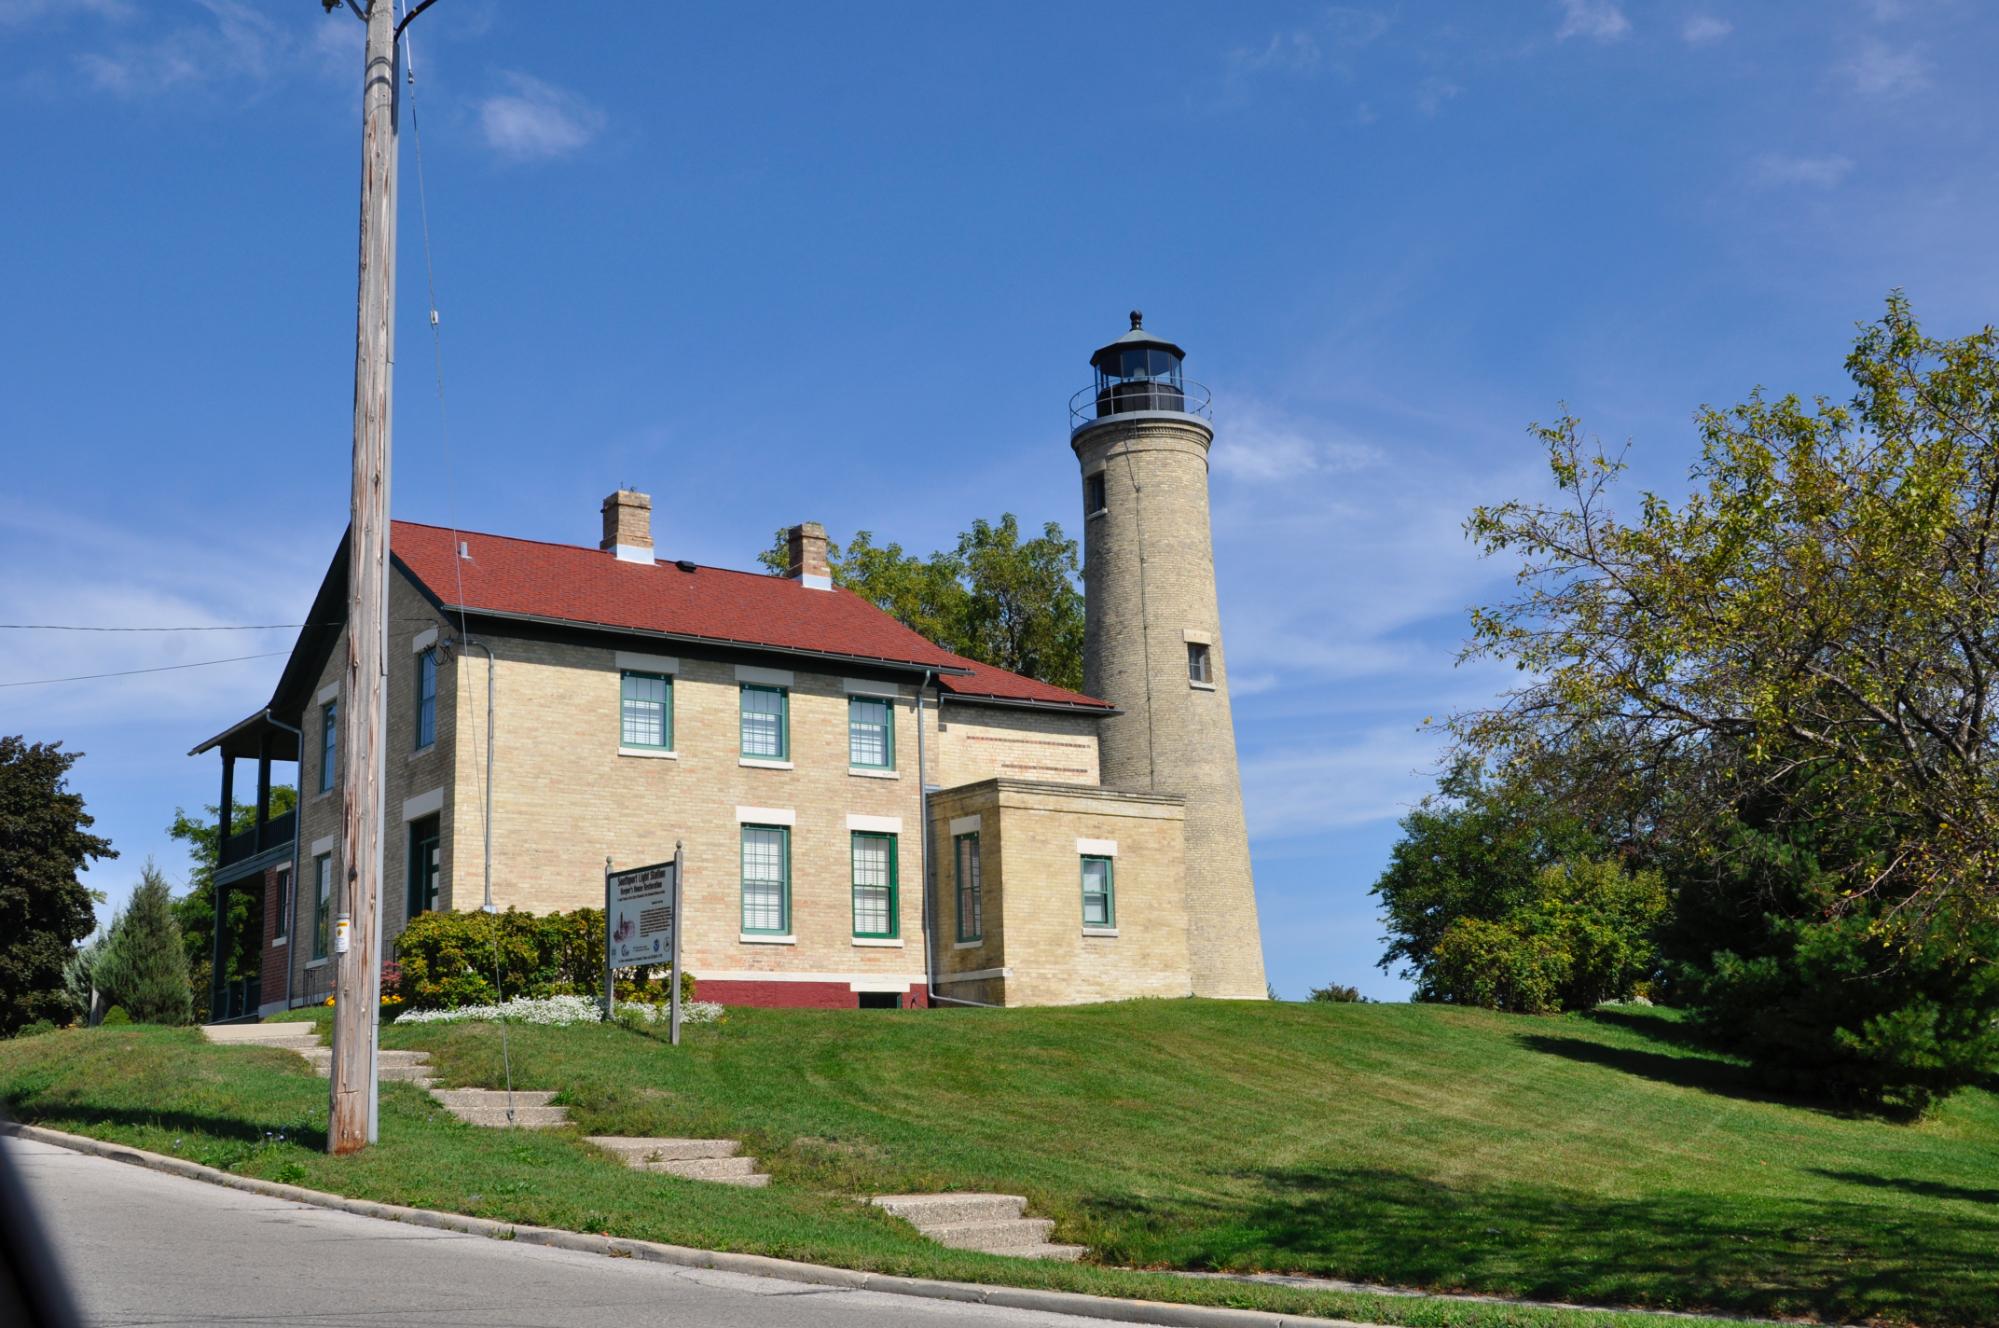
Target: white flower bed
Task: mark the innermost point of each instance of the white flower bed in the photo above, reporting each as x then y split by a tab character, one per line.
560	1011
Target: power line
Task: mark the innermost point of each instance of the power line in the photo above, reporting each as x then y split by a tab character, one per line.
163	668
232	627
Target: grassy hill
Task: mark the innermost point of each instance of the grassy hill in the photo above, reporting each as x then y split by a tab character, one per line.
1599	1159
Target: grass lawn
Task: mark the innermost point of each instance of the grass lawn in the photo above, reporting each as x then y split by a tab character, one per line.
1597	1159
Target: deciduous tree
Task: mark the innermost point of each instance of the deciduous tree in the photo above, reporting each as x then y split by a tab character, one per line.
45	841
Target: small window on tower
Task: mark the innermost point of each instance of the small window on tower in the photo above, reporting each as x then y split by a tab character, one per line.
1093	494
1200	667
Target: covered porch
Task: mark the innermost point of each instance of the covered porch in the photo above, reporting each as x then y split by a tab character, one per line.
252	859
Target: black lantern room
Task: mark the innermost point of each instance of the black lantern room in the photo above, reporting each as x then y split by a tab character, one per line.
1139	371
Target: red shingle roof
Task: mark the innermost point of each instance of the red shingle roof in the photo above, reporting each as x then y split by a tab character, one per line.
567	583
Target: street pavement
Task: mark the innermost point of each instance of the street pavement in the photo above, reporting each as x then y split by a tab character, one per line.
141	1247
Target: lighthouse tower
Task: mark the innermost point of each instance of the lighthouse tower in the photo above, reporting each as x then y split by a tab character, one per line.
1152	641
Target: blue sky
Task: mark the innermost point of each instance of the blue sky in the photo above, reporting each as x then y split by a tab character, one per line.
783	262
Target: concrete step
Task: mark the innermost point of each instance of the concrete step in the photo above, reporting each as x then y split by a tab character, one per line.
493	1097
388	1074
992	1237
382	1058
262	1035
1066	1253
924	1211
636	1151
705	1168
525	1118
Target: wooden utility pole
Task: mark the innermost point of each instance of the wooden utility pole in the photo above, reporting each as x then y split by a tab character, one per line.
358	963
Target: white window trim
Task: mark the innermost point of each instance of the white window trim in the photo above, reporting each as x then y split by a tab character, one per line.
766	816
760	677
423	641
964	825
879	942
321	847
880	825
1196	637
863	772
886	691
632	662
424	804
1096	848
1100	931
330	692
762	763
968	945
653	752
764	938
1202	686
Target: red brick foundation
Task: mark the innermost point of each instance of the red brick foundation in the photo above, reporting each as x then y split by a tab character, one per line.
795	995
271	974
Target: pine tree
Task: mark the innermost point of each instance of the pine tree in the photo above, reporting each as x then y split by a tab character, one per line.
143	967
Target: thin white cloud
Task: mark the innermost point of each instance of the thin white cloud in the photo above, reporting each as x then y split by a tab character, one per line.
1705	29
1815	172
228	43
20	13
1371	777
536	121
1305	50
1879	70
1598	20
1261	447
1433	93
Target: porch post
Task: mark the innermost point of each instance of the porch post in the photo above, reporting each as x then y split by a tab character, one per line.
263	786
215	980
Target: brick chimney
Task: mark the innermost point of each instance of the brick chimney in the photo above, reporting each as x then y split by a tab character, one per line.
628	526
807	542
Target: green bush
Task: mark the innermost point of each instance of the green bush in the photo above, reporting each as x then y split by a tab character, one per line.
36	1029
1586	935
143	966
451	959
115	1017
1337	994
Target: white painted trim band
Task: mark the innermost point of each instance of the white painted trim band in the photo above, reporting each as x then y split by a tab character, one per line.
330	692
633	662
759	975
763	677
1097	848
1197	637
423	641
975	975
863	687
322	846
766	816
964	825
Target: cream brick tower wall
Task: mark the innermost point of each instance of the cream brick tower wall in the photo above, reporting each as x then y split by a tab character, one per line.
1149	590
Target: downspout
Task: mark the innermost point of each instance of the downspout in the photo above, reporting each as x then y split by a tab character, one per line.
929	885
298	820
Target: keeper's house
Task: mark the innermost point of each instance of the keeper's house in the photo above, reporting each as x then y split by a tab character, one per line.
868	819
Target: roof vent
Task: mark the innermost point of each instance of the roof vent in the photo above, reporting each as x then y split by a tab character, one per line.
683	564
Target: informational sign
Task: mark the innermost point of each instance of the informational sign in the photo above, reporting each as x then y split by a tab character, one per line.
642	927
639	914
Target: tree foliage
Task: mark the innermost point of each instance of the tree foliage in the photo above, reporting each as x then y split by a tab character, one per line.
44	909
143	967
195	910
1828	599
446	960
995	598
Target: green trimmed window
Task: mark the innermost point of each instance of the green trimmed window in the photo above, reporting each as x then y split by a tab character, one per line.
426	699
329	744
1099	895
425	858
322	905
871	732
645	711
971	887
874	885
766	723
767	880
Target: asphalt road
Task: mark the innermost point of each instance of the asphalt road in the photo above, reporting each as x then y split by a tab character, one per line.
140	1247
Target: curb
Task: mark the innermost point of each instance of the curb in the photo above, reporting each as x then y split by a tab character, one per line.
1164	1313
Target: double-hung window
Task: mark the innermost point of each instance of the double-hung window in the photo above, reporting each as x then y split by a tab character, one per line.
874	885
1200	664
425	861
329	744
871	732
767	879
426	698
322	905
1099	896
646	711
284	904
971	888
766	725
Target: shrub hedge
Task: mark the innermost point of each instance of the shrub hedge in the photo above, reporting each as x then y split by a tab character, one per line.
451	959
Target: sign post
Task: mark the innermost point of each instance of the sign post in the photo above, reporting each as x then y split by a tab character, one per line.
642	926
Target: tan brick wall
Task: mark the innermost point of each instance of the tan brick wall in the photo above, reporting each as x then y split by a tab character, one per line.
408	774
1173	737
977	742
564	798
1033	908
